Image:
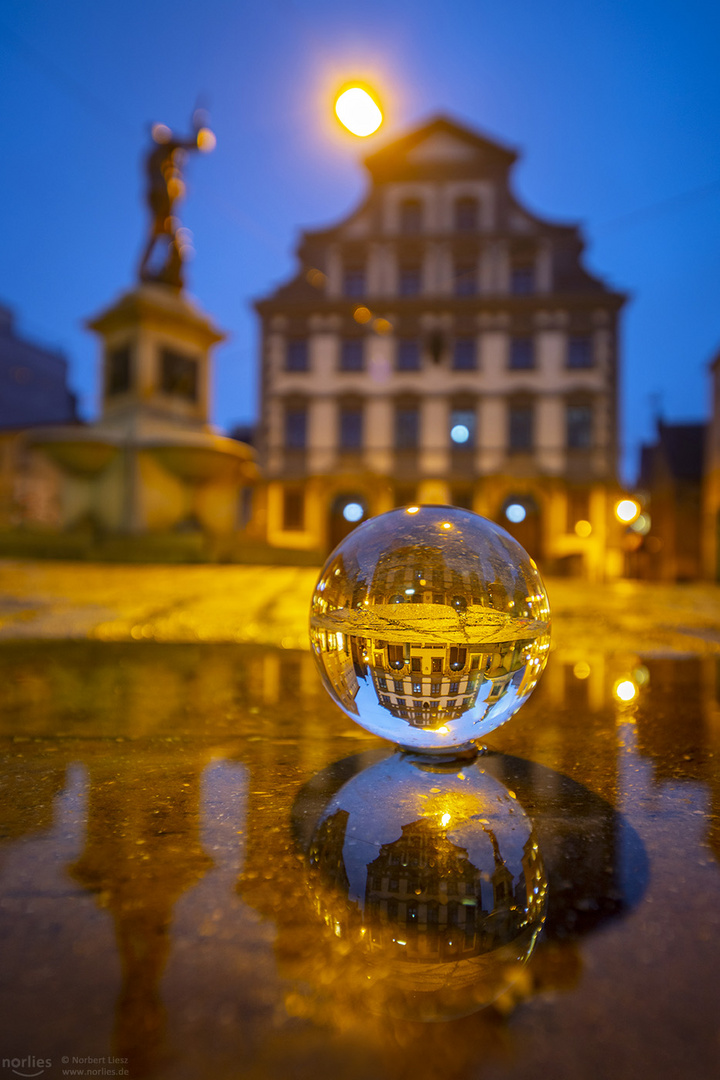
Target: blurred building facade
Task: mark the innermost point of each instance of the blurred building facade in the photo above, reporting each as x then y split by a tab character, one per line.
711	485
34	391
443	344
671	478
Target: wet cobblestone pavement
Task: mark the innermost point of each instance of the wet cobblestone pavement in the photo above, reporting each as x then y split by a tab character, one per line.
198	878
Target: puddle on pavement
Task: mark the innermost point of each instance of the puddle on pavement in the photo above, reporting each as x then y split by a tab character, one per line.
207	870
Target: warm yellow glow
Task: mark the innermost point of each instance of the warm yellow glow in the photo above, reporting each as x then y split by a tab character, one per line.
581	669
412	510
625	690
362	315
446	525
444	730
583	528
445	820
206	140
382	326
358	112
626	510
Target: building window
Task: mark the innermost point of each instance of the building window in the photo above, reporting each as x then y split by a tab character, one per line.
417	686
296	355
296	427
293	509
351	425
178	374
407	427
462	427
464	356
579	427
410	280
466	215
522	279
352	354
521	427
465	279
408	355
118	371
398	686
522	354
411	215
454	688
382	682
354	281
579	352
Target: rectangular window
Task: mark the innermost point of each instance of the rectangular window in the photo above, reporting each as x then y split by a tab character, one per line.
522	279
296	355
579	352
118	371
382	682
351	428
462	427
417	687
411	217
352	356
407	428
398	686
409	281
435	688
408	355
579	427
522	353
416	663
521	427
293	509
178	374
464	357
465	279
354	281
296	428
454	688
437	663
466	215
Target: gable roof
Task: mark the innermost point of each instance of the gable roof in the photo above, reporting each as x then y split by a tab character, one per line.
440	146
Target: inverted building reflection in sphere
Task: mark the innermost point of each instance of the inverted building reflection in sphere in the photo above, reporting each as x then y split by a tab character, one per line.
431	883
430	626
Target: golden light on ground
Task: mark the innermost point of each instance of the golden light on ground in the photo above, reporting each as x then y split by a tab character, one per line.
625	690
583	528
626	510
357	110
413	510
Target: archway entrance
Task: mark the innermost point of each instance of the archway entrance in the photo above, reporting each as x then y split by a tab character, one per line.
520	516
347	511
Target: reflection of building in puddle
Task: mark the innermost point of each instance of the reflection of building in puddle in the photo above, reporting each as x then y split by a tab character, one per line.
432	885
141	854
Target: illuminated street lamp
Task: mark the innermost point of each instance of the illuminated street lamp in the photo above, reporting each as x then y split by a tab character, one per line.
358	111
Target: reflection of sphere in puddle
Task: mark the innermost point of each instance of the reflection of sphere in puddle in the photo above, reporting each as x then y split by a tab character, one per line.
431	880
430	626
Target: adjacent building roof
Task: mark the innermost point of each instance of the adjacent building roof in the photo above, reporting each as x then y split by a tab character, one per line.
33	381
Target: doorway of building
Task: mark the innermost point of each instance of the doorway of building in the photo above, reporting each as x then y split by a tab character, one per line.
347	511
520	516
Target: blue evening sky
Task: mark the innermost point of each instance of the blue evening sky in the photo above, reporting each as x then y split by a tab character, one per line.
614	105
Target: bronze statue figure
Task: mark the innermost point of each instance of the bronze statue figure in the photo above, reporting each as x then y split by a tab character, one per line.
165	187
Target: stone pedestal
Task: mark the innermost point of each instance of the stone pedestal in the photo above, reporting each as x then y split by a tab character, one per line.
152	463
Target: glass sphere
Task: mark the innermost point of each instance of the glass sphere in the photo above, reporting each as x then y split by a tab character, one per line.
430	626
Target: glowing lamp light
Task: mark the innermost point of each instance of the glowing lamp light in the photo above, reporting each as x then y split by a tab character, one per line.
445	820
583	528
626	510
413	510
353	512
206	140
358	112
460	433
516	513
625	690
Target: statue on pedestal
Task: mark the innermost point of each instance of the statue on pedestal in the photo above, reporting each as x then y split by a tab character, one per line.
165	186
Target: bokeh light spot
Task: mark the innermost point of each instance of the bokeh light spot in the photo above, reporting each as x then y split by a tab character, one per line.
358	112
